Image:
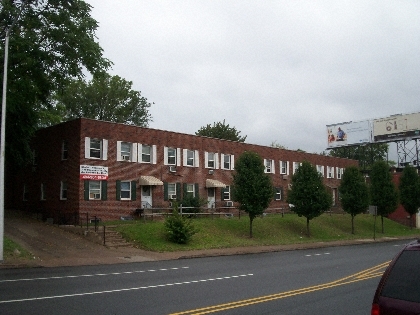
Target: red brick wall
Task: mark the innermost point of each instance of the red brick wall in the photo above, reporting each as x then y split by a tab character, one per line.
51	169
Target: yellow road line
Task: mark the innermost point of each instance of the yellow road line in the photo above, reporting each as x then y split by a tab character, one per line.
369	273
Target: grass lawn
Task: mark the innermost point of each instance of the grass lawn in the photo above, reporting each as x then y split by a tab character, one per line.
268	230
14	250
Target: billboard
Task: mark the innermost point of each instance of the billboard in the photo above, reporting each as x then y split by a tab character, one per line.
396	127
91	172
349	133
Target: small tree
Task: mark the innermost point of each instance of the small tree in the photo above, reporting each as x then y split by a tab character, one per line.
354	193
308	195
177	228
221	131
251	186
410	191
383	193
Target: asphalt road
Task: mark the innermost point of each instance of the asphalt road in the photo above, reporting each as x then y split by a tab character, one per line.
334	280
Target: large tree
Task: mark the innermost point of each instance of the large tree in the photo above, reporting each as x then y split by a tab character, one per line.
409	188
383	193
365	154
51	43
354	193
221	131
251	186
308	195
105	97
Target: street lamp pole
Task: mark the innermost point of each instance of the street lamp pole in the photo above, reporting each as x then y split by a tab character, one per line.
3	130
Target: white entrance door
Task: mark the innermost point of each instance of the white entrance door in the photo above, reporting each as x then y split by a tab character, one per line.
146	196
211	199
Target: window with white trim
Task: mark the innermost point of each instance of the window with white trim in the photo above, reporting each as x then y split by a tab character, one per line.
95	190
63	190
64	150
211	160
227	161
296	166
96	148
279	193
269	166
126	151
172	156
125	190
330	172
284	167
147	153
190	190
42	191
172	191
340	172
320	169
191	158
226	193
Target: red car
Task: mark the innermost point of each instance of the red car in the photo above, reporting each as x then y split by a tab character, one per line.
398	292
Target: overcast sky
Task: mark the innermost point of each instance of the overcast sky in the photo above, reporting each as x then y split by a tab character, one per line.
275	70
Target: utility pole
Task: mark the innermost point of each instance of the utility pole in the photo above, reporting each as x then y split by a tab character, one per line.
3	129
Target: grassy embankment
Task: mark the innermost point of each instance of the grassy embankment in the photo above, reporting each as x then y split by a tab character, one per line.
269	230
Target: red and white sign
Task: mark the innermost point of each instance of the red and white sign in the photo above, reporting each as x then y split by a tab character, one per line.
92	172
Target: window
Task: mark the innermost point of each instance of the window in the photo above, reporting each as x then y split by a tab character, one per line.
191	158
227	161
278	193
320	169
42	191
64	150
340	172
96	148
63	191
126	190
330	172
172	156
210	160
269	166
284	167
172	191
126	151
190	190
147	153
296	166
95	189
226	193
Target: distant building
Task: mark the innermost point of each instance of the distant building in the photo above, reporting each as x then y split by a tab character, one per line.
109	170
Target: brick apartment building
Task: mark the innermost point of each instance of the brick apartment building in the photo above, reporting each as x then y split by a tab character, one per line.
109	170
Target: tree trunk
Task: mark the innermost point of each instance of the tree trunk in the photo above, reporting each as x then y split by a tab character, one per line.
352	224
382	221
250	226
307	227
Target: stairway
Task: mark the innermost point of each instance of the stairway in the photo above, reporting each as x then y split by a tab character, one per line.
113	239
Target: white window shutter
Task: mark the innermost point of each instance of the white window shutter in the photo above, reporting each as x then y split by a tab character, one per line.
196	159
232	162
273	170
119	151
139	152
206	159
178	157
184	155
222	161
154	154
216	161
134	152
165	155
87	147
104	149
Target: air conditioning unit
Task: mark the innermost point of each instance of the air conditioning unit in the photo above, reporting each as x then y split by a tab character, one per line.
172	197
96	196
172	169
285	176
229	203
125	158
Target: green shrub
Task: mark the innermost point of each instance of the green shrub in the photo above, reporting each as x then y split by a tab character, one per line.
177	228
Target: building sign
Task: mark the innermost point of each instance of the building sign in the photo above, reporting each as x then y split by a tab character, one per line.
349	133
92	172
396	127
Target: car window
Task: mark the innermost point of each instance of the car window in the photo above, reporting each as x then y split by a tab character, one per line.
403	281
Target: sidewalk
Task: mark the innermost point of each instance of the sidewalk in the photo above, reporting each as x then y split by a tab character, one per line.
52	246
